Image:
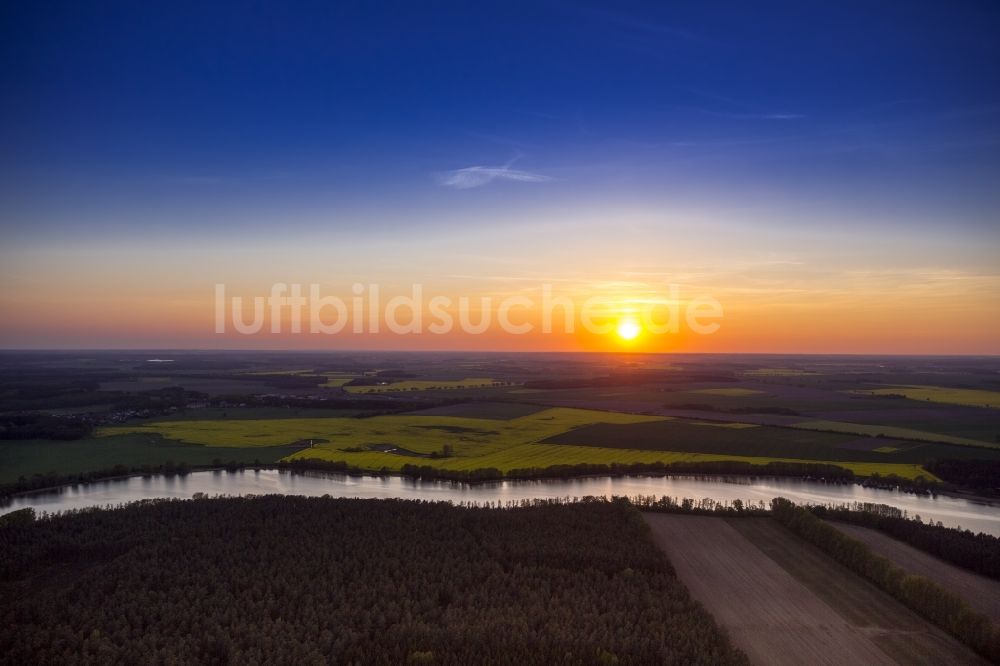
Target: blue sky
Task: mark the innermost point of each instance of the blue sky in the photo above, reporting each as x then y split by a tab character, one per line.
192	122
215	102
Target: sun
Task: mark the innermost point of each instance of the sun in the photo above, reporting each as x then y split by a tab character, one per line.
628	329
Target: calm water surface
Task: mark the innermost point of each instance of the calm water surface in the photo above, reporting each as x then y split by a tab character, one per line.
953	512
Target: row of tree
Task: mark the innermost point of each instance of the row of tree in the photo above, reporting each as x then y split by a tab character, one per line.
631	378
370	405
319	580
979	552
946	609
32	425
811	471
981	476
814	471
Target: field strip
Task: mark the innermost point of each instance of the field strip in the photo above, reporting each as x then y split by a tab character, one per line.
982	593
939	394
889	431
782	601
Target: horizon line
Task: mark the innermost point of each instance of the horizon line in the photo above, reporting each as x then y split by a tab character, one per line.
8	350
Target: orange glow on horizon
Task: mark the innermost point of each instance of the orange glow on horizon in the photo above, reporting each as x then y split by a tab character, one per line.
955	317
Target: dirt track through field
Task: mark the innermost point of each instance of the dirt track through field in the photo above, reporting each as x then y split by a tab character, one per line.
782	601
982	593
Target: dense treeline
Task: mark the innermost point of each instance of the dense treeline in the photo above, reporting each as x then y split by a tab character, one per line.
982	476
809	471
949	611
168	468
42	426
22	389
159	401
920	485
52	479
637	378
171	468
813	471
763	409
703	506
374	405
817	471
976	552
820	471
293	580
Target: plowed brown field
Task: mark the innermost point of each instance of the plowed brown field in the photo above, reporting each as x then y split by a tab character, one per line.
982	593
783	601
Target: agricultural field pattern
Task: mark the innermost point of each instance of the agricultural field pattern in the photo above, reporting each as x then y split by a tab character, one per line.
380	412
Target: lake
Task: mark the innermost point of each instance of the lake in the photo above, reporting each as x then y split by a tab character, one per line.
953	512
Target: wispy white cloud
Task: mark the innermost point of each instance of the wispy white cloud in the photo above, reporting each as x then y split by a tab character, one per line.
477	176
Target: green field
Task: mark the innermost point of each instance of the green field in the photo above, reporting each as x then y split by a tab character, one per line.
325	379
424	385
28	457
491	411
291	371
524	441
255	413
779	372
423	434
941	394
870	430
682	435
484	410
335	382
733	392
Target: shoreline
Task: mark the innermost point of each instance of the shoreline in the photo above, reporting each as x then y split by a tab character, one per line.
930	493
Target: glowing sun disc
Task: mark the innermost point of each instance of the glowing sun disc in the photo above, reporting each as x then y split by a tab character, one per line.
628	329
